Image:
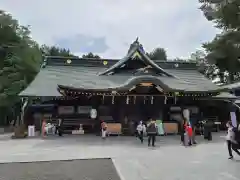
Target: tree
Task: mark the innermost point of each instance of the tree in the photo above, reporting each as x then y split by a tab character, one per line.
20	59
225	54
56	51
158	54
224	13
91	55
224	50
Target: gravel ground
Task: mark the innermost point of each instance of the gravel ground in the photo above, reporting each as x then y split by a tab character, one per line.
94	169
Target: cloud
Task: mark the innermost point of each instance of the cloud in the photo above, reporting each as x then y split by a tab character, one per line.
84	44
178	25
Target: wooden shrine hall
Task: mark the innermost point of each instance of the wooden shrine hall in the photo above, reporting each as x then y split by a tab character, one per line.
122	91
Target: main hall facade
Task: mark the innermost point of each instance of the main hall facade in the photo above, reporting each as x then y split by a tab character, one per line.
84	91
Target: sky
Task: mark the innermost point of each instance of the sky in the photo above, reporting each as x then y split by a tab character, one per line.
108	27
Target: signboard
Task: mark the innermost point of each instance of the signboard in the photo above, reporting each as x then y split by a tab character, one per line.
175	108
233	119
146	84
84	109
65	109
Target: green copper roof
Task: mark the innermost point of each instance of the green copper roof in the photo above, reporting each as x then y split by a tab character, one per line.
48	79
93	74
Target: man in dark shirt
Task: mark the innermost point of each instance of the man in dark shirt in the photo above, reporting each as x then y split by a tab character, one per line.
152	132
59	129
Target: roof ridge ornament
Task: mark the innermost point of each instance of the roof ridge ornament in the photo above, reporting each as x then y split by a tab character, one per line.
136	41
136	52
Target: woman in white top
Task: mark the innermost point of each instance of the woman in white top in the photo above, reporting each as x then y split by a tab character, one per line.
231	142
140	130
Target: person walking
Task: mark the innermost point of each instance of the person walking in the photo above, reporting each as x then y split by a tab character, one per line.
182	130
104	129
58	128
232	142
140	129
189	134
152	132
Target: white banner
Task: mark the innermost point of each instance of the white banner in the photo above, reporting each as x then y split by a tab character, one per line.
233	119
65	109
84	109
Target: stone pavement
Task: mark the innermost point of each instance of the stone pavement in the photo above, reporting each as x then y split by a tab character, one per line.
133	160
81	169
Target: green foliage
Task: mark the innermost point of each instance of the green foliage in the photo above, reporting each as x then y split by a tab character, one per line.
225	13
91	55
20	59
158	54
224	49
56	51
224	52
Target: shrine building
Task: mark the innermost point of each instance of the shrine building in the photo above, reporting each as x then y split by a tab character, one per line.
123	91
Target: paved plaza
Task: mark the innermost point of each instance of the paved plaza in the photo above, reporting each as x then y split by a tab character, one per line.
88	169
133	160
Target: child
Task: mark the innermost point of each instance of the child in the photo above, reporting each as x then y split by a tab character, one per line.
104	129
188	134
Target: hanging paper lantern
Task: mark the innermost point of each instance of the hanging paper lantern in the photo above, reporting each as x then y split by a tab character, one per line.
93	113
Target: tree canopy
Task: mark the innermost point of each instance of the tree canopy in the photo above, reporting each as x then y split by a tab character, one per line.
55	51
20	61
158	54
224	49
91	55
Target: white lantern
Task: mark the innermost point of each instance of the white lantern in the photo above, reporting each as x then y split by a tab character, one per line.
93	113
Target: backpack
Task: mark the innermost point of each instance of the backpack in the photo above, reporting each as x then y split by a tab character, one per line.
152	129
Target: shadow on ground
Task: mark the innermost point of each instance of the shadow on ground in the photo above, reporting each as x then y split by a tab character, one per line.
94	169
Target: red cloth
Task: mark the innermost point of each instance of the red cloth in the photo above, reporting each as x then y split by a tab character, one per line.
189	130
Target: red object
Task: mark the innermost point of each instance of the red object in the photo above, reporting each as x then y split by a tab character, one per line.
43	127
189	130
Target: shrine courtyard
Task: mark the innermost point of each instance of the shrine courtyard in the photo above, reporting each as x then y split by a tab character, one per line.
90	157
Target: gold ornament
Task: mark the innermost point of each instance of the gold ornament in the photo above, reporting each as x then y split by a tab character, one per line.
105	63
69	61
136	55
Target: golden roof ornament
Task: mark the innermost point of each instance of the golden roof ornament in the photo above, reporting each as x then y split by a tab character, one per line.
105	63
69	61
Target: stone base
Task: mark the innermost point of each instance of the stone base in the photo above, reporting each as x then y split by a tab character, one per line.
19	132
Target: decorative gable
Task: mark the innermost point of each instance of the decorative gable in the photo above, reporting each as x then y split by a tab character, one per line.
136	61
